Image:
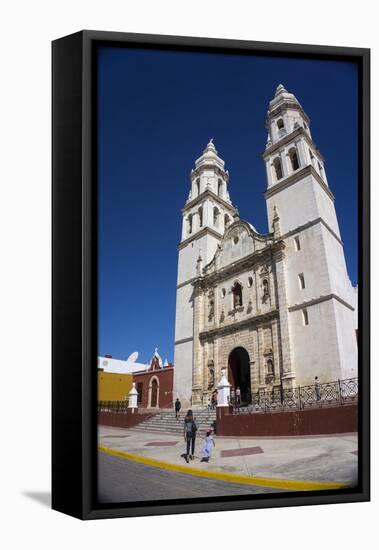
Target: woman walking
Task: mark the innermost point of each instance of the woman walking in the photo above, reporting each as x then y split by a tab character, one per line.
190	430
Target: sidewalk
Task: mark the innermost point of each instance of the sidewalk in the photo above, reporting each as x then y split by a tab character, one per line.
322	458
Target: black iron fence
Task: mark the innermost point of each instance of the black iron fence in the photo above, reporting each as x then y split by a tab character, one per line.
113	406
339	392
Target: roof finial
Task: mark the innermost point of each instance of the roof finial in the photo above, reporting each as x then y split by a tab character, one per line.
280	89
210	147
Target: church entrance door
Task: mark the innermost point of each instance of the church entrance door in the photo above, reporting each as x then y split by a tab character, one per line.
239	373
154	393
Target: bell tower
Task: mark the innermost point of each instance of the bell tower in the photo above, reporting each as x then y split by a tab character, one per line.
318	319
206	214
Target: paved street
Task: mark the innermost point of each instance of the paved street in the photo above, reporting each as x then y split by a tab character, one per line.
311	459
121	480
318	458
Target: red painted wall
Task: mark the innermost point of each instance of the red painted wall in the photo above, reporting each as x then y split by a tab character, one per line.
165	378
331	420
121	420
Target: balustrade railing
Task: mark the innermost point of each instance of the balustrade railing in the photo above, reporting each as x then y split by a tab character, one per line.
338	392
112	406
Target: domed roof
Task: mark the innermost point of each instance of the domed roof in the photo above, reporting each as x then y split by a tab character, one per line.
282	95
209	156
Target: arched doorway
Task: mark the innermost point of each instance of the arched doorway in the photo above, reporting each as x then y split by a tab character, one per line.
239	372
153	393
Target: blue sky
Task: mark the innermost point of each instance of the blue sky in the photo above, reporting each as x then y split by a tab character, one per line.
156	112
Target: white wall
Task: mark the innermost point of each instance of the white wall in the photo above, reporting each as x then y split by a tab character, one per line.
28	28
315	350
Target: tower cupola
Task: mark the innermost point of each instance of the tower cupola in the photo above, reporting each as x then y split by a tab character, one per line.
208	204
289	146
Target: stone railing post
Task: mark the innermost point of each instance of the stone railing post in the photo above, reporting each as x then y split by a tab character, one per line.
133	399
223	391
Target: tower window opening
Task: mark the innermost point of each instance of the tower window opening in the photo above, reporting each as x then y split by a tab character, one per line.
297	243
237	295
294	159
219	188
305	126
197	187
281	128
250	282
226	221
305	317
216	214
320	168
301	281
190	223
266	290
278	168
200	211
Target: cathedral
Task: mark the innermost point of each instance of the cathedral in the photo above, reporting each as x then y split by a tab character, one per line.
277	309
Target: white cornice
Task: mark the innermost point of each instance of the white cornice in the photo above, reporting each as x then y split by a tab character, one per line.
287	138
209	194
200	233
295	178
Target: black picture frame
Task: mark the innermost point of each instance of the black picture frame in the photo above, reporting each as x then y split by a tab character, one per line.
74	204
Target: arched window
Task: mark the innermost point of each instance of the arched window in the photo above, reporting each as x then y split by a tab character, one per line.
278	168
270	367
237	295
190	223
281	128
301	281
211	311
200	212
266	290
305	317
211	378
197	187
226	220
294	158
250	282
216	214
219	188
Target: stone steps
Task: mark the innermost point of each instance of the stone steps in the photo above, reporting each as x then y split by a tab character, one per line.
165	422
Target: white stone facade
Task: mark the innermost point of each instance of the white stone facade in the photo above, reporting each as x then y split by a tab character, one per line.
276	309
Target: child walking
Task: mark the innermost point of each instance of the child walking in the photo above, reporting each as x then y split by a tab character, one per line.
207	446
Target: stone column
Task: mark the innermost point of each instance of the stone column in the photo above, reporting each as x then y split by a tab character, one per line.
284	158
301	153
288	374
197	368
254	363
261	363
133	399
276	352
184	227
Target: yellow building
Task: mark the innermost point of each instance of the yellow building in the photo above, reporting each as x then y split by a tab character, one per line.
112	386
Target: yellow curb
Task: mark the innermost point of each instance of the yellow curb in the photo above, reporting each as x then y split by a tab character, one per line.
289	484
